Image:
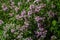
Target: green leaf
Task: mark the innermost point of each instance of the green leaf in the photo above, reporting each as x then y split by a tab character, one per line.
52	28
1	32
54	22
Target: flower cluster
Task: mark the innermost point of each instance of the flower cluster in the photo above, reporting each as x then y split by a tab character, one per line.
29	20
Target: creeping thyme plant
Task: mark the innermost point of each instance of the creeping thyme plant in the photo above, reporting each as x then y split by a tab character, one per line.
29	19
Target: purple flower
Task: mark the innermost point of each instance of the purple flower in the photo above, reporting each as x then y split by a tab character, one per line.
39	25
32	6
23	13
16	9
24	27
18	16
37	1
41	34
12	30
11	0
29	13
44	33
12	3
4	7
28	0
26	23
41	29
51	14
38	33
37	18
37	8
29	38
1	22
19	3
42	5
11	14
19	36
53	37
52	6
